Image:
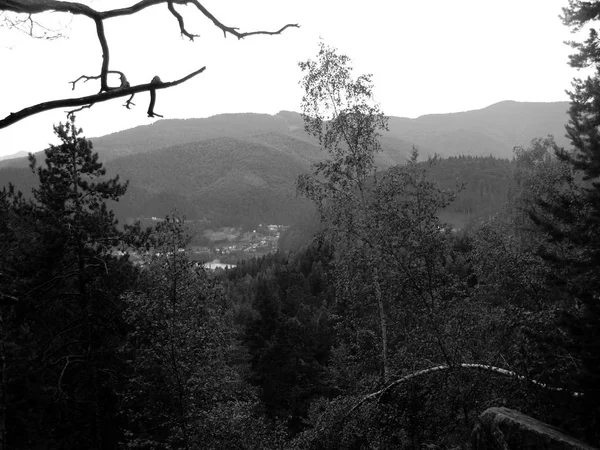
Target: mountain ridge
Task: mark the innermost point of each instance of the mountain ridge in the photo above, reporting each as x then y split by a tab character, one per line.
242	168
495	130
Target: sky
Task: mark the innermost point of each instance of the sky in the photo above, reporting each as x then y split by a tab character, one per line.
426	57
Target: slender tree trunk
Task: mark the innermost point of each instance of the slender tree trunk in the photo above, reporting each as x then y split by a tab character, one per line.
383	325
174	316
96	417
2	385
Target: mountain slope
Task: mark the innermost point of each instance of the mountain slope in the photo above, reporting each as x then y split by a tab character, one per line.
226	180
170	132
20	154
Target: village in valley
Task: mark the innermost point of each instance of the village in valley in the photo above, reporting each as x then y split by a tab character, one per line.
230	244
223	247
220	248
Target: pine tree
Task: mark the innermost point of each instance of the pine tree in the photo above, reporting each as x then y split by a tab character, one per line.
570	217
66	324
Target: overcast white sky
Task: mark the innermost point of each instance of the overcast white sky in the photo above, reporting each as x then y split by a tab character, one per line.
434	56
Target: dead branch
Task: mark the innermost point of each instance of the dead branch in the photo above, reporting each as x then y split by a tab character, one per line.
81	108
480	367
32	7
129	102
179	18
86	78
90	99
30	27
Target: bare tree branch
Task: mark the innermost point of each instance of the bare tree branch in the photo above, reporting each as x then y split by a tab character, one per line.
129	102
81	108
86	78
29	26
32	7
90	99
470	366
184	32
479	367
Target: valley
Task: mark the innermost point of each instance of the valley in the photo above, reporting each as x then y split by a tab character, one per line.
217	247
228	245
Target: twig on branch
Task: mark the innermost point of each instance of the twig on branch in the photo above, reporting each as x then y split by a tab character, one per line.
129	102
270	33
179	18
7	299
233	30
73	111
96	98
86	78
30	27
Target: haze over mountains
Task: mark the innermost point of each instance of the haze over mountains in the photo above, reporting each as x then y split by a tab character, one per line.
241	168
20	154
493	130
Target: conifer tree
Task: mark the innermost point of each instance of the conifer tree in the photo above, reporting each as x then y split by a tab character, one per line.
570	218
66	324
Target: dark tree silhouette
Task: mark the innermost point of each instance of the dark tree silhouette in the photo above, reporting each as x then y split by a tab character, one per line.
106	92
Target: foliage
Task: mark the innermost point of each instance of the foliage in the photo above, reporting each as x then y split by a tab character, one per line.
98	353
340	112
511	264
400	305
569	217
389	240
66	312
179	353
283	304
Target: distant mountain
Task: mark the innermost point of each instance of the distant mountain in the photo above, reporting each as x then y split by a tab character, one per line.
14	155
242	168
494	130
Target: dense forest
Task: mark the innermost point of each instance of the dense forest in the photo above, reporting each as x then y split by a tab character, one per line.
406	301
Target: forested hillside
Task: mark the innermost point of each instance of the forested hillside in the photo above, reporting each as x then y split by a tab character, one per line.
228	181
233	183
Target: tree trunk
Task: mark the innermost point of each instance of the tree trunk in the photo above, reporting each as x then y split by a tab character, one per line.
383	325
3	382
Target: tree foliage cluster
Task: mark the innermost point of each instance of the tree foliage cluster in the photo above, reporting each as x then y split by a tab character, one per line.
98	352
442	324
424	327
